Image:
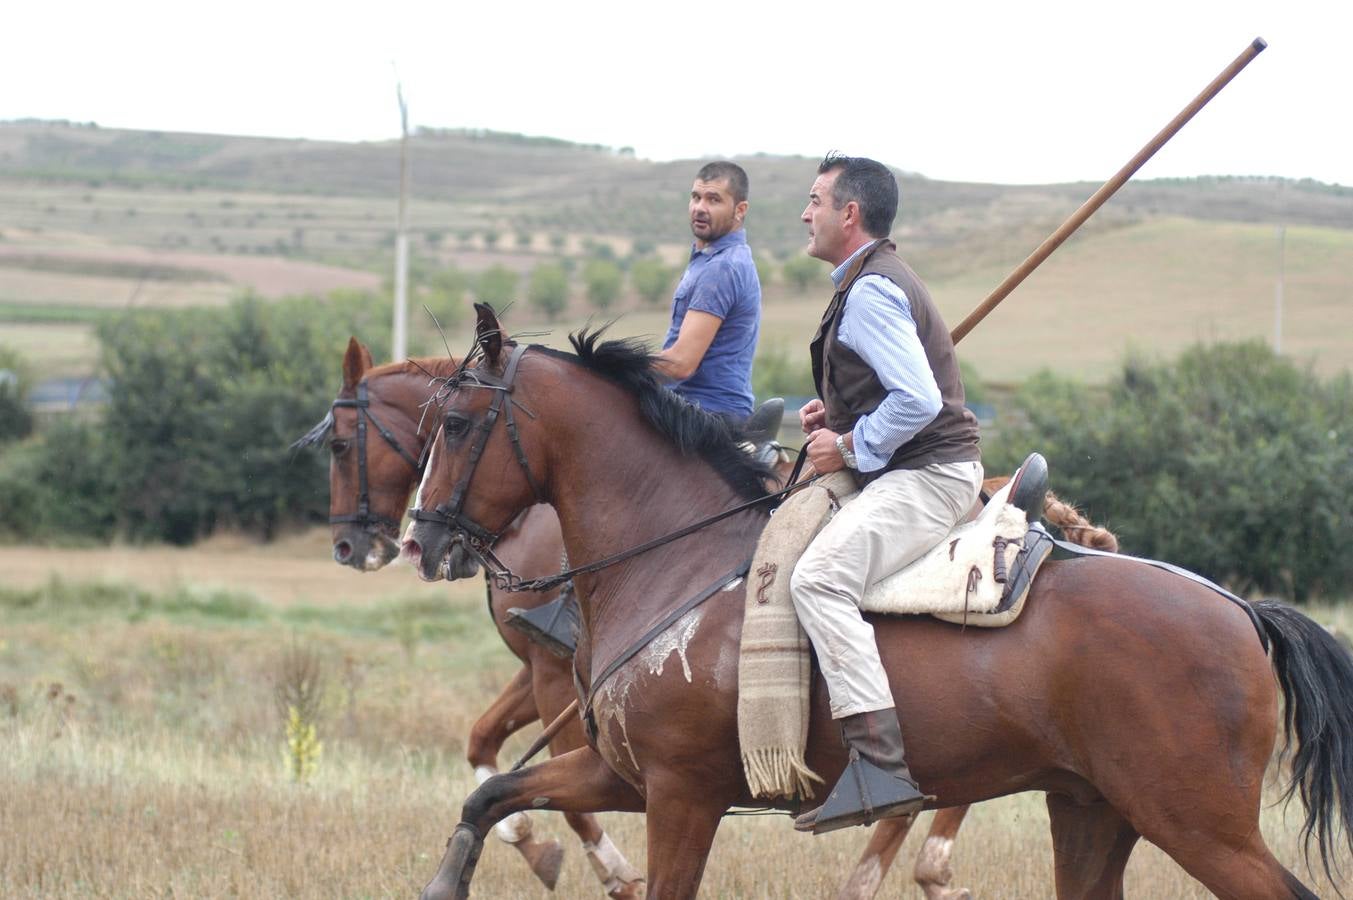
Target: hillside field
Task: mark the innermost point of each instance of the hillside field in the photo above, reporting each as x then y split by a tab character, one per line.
95	220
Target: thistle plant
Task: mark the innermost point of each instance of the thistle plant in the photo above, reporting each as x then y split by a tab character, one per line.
303	746
298	687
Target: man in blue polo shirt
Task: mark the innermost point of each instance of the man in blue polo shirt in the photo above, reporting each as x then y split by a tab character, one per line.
716	312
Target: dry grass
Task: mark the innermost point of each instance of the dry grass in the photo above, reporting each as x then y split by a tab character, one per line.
143	755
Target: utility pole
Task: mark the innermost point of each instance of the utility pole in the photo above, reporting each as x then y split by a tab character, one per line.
1278	291
399	332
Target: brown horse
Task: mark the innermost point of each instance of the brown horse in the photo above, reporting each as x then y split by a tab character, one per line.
371	477
1141	702
364	537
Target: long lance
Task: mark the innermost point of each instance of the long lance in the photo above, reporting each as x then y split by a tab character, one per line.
1104	193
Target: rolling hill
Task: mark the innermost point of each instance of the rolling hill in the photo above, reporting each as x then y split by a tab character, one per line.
94	218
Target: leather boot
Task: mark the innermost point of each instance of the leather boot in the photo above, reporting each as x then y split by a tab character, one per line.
554	626
876	783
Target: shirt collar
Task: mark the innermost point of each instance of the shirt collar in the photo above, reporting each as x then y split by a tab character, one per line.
839	273
732	239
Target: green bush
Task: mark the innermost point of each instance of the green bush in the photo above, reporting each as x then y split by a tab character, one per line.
496	286
652	280
57	486
1231	462
804	271
779	371
549	290
603	280
16	420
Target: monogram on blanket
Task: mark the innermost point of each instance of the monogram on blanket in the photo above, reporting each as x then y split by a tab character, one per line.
955	580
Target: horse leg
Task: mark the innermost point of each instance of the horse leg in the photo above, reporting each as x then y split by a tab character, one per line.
553	686
682	824
932	871
575	782
618	877
1230	869
877	858
514	708
1091	843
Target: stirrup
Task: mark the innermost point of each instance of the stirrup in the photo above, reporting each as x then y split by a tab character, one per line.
552	626
764	423
863	794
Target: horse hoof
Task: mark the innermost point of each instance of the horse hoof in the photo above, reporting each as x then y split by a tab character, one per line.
629	890
546	858
934	892
452	881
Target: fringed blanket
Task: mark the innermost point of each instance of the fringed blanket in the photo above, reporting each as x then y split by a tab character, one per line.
775	669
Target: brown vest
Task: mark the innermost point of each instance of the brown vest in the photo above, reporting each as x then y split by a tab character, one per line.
849	388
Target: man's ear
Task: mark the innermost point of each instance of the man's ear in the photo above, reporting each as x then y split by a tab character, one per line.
740	211
488	334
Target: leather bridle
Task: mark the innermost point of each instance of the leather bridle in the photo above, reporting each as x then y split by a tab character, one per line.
452	513
364	517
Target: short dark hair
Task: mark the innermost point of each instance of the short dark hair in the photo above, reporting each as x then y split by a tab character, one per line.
869	183
729	171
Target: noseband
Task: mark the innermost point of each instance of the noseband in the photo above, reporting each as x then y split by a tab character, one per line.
364	517
452	513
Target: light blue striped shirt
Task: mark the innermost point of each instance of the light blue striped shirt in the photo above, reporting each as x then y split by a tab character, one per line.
877	325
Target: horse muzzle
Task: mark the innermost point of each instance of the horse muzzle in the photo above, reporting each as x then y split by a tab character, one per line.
437	554
364	550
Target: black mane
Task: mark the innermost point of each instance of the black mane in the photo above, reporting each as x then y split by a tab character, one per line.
628	363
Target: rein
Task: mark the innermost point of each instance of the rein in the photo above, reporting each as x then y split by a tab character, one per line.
364	517
451	514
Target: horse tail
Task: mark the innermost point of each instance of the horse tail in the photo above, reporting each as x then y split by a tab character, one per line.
1316	675
1077	528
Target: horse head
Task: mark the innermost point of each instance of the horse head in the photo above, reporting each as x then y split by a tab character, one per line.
477	478
375	443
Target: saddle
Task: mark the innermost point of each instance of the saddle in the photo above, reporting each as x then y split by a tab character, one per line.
980	574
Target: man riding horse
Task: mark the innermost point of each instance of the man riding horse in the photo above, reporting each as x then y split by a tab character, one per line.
890	409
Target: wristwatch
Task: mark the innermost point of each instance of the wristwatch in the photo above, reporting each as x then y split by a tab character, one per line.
847	455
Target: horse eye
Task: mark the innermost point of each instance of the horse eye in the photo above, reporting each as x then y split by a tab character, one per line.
338	448
455	426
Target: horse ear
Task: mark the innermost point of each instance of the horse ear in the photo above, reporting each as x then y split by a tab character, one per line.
488	333
355	363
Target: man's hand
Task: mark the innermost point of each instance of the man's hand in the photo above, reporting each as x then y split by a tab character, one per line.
812	416
822	452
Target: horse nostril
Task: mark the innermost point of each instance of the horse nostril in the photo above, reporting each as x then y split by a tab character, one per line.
342	551
411	551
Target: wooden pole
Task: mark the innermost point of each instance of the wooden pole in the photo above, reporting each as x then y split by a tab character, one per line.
539	743
1104	193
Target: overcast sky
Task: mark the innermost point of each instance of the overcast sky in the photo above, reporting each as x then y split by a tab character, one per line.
1002	92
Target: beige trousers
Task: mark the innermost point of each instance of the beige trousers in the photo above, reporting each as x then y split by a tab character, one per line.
892	522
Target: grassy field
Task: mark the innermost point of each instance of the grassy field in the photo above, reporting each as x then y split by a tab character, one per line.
144	753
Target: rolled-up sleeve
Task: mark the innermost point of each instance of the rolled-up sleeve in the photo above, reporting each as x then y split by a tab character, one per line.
877	325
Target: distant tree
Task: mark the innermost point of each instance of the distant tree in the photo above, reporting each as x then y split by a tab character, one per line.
557	242
765	269
496	285
491	239
802	271
549	290
442	291
603	281
599	249
651	279
642	247
524	240
16	420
